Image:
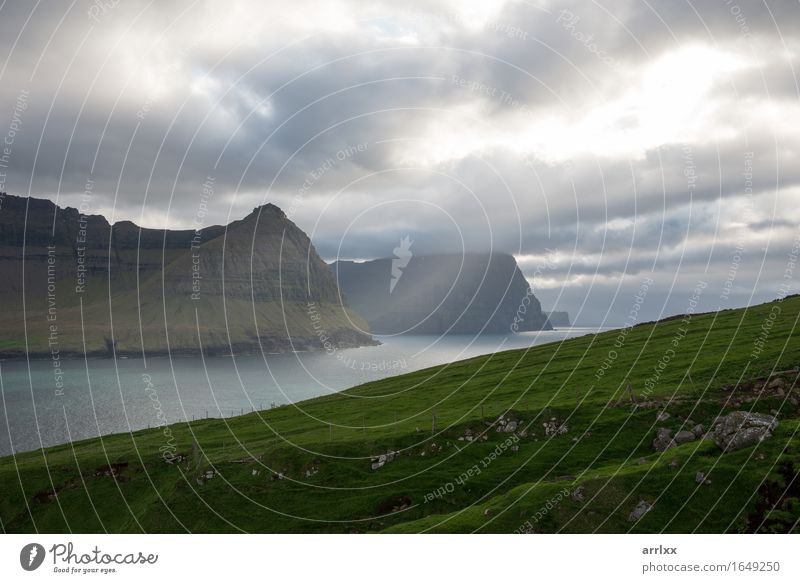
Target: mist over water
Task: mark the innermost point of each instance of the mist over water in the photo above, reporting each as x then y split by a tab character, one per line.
104	396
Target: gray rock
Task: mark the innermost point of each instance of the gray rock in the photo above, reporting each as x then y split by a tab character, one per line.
663	440
742	429
578	494
684	437
642	508
776	383
662	416
700	477
511	426
699	430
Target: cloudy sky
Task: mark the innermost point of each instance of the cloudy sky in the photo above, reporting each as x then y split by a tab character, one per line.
604	144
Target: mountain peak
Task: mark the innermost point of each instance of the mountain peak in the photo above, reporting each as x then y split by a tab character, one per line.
268	209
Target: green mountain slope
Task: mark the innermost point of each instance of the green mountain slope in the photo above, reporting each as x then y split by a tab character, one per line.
315	466
75	283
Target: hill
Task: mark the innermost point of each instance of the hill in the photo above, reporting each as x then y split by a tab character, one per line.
535	440
438	294
74	282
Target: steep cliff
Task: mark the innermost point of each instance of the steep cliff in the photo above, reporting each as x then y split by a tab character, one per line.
438	294
71	280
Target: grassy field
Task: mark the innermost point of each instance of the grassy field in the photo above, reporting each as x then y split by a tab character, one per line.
309	467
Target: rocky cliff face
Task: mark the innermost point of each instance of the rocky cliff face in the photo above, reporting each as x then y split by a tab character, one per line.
439	294
256	284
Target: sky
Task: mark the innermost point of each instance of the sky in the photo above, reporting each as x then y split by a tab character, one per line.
638	158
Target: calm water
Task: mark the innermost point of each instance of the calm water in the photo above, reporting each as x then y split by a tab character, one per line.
103	396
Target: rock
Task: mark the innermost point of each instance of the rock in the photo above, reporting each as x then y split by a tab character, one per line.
511	427
674	464
641	461
662	416
776	383
578	494
663	440
684	437
699	430
642	508
742	429
700	477
487	512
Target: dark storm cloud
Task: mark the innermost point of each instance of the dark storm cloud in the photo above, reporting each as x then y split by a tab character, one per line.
460	126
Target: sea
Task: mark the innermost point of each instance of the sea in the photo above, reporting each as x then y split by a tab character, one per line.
101	396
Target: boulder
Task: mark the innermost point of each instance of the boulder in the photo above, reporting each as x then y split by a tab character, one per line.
642	508
662	416
684	437
776	383
742	429
578	494
699	431
663	440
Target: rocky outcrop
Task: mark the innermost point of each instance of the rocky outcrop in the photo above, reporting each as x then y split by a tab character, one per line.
742	429
438	294
663	440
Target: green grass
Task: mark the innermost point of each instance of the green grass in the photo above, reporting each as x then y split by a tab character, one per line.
607	450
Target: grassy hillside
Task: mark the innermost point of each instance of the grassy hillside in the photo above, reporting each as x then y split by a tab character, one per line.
309	467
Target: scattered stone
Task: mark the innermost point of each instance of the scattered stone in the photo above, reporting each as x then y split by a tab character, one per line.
743	429
578	494
684	437
255	472
662	416
699	431
776	383
642	508
663	440
700	477
553	428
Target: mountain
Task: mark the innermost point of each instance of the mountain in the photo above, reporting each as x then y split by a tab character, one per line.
255	284
558	319
481	445
436	294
